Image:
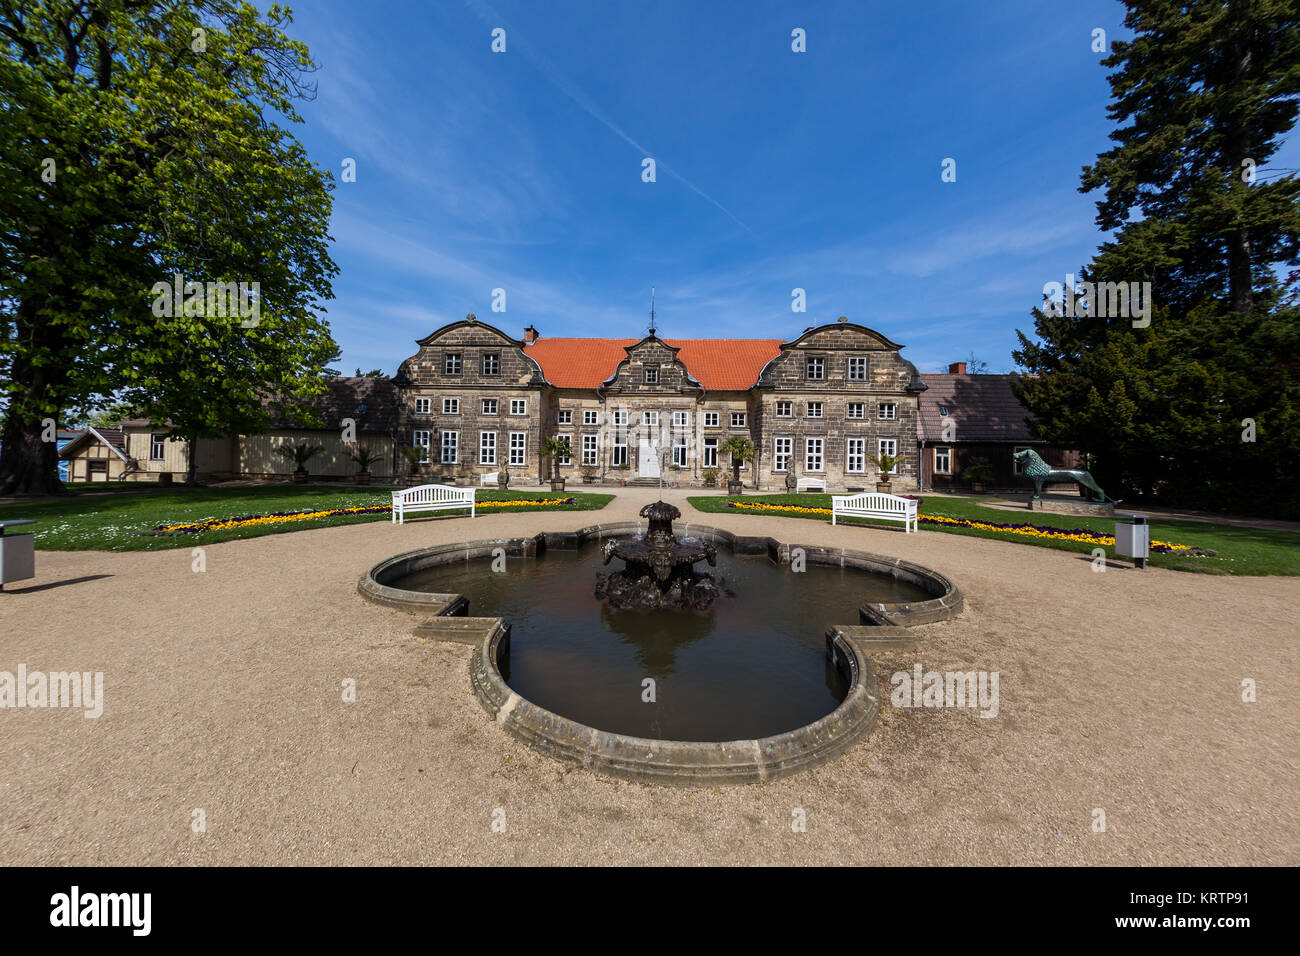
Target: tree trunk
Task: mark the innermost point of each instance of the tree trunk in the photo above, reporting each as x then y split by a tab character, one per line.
1240	279
28	466
192	462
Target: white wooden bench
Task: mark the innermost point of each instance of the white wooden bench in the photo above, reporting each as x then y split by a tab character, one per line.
431	498
874	505
490	478
810	484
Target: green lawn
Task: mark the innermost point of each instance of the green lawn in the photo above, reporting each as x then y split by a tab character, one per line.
1246	551
115	522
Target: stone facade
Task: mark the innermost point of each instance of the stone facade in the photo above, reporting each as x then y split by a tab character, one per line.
835	398
821	407
475	400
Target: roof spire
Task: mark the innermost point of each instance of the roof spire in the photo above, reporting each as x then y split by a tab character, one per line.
652	311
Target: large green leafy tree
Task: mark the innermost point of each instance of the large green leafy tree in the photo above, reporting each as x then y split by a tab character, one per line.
143	140
1204	94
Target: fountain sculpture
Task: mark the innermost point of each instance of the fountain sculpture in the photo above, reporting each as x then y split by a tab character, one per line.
658	569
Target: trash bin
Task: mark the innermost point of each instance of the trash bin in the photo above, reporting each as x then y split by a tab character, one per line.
17	553
1133	539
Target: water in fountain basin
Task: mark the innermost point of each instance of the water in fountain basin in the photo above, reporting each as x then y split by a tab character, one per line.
753	665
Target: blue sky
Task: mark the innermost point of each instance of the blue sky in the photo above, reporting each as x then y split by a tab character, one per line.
776	170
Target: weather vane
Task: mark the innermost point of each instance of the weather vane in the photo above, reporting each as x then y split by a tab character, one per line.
652	311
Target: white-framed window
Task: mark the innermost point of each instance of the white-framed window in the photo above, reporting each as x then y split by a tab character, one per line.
564	417
491	363
710	419
814	456
710	453
679	451
888	446
782	452
857	368
451	406
650	419
815	409
590	450
888	411
857	410
518	406
652	376
489	406
738	419
620	453
855	455
156	446
785	409
451	363
420	439
590	417
565	457
816	369
1018	467
487	448
422	406
518	447
943	460
681	419
450	448
620	416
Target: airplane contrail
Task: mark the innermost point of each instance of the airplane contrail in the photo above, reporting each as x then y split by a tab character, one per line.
565	86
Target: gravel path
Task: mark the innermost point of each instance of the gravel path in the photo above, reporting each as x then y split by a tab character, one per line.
1120	691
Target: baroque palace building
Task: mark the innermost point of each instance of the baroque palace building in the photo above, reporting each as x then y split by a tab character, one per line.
818	406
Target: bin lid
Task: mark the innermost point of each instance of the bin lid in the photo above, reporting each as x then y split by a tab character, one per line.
1138	517
13	524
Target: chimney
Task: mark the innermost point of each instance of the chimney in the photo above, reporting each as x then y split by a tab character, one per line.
531	335
957	368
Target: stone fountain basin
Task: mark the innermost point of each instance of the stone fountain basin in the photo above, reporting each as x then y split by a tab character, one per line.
673	762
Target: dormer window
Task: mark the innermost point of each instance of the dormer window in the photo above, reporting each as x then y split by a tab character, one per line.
652	376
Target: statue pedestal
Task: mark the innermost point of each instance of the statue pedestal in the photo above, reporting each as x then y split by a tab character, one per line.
1073	506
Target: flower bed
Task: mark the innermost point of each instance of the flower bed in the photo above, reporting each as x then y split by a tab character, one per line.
277	517
1024	529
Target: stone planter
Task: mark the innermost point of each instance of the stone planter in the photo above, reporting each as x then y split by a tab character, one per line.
588	479
503	480
362	477
735	487
883	487
557	484
977	487
300	476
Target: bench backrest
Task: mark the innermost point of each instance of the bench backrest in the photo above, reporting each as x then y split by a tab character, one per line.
426	494
874	501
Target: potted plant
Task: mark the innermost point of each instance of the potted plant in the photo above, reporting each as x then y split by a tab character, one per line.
978	472
742	452
365	457
710	476
555	448
300	454
886	464
415	458
588	474
503	478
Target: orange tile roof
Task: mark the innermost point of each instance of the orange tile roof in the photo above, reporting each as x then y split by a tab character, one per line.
720	364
